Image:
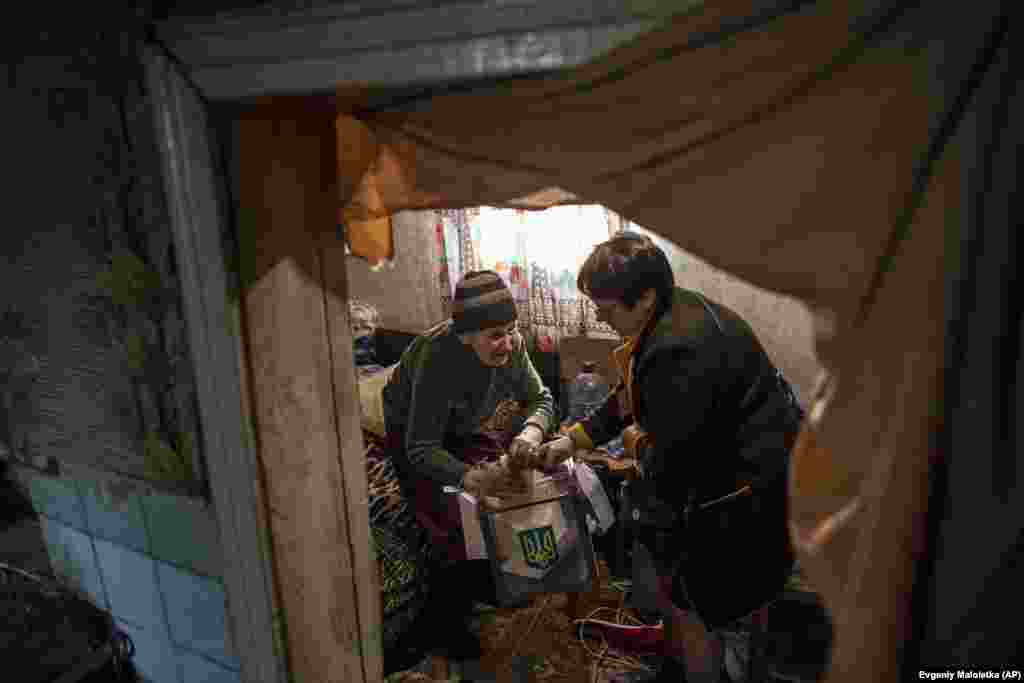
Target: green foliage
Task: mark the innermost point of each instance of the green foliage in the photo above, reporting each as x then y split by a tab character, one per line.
136	353
280	637
165	463
130	284
136	301
233	273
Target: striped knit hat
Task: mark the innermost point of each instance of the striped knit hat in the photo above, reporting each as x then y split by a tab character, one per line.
482	300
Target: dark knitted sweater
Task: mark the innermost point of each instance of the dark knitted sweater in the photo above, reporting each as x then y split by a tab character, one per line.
440	393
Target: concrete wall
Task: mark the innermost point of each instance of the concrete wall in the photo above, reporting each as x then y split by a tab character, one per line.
405	292
783	325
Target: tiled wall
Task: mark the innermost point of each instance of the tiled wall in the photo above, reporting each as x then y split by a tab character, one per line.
152	560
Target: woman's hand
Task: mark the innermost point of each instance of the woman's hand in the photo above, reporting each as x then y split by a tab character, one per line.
554	452
493	479
522	452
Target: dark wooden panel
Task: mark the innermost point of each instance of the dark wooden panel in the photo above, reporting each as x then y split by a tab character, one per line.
326	33
196	15
315	48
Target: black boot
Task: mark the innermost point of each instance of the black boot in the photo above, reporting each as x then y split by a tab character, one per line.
461	644
674	671
441	631
670	671
456	588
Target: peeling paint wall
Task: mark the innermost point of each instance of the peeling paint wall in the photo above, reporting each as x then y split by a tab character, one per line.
87	263
406	292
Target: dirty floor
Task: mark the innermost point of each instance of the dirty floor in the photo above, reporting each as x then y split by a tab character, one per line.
539	642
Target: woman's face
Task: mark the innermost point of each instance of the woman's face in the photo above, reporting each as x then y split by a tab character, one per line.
494	346
626	321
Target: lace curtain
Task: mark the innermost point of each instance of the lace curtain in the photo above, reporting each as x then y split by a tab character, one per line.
537	253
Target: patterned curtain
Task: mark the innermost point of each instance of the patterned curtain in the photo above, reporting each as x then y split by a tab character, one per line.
537	253
456	250
446	265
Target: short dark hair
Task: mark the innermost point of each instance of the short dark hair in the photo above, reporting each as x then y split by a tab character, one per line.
626	266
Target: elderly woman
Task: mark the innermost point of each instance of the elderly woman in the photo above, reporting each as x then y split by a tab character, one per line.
449	382
711	422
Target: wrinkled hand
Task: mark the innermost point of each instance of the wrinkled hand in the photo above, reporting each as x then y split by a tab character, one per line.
493	479
554	452
522	452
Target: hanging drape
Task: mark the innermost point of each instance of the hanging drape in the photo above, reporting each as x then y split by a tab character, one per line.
811	148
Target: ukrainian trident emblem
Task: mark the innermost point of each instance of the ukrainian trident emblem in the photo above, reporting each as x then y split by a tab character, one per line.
540	550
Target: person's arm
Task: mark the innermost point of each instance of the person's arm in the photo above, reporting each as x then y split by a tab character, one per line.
429	409
540	405
601	426
598	428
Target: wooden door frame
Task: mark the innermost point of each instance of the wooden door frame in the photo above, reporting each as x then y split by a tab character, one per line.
196	201
258	52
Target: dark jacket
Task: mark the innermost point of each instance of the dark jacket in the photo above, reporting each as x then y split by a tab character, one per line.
719	415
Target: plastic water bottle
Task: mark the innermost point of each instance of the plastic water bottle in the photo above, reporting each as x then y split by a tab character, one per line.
587	392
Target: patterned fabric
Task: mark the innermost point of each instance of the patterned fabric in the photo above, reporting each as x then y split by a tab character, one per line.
447	264
507	419
517	244
401	544
456	254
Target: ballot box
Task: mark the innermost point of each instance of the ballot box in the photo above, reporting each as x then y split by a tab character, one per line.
539	542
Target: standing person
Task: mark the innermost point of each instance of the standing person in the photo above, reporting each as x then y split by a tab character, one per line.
447	384
706	415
